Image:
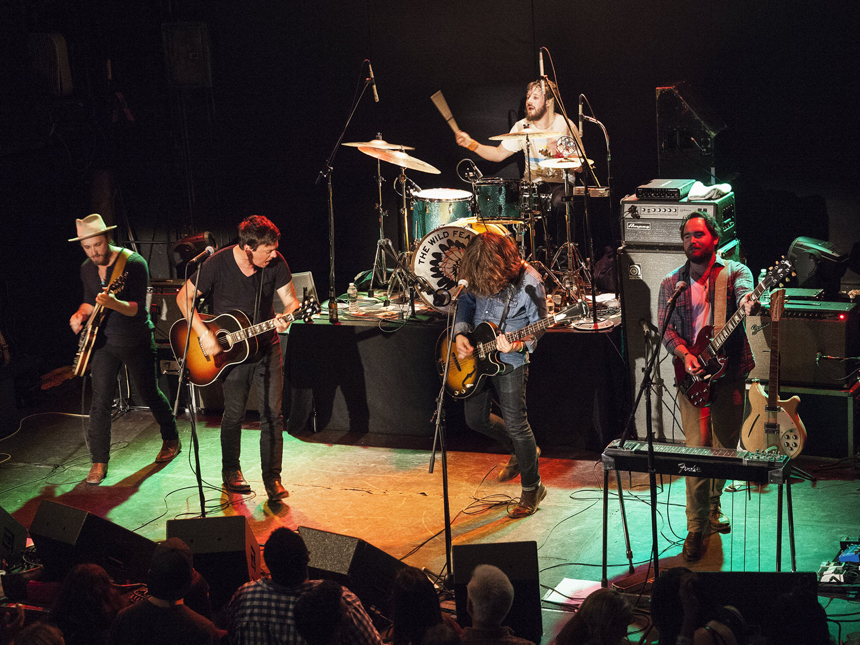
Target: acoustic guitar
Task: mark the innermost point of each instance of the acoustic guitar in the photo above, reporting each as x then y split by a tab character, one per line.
87	339
466	374
708	348
236	336
773	422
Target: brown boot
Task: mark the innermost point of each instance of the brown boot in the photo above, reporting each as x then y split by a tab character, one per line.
169	449
694	547
529	502
97	473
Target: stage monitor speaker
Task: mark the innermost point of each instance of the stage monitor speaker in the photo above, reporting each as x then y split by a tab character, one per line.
65	536
364	569
13	539
187	53
226	553
642	269
519	562
756	594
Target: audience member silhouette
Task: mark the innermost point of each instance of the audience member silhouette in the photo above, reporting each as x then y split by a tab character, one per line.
262	612
415	607
602	619
40	634
489	598
442	634
85	606
682	612
320	614
163	618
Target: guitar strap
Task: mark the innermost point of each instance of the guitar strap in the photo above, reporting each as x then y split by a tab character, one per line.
511	292
119	266
720	290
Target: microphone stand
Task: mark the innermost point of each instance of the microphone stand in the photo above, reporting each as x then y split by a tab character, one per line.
649	433
326	173
439	437
184	378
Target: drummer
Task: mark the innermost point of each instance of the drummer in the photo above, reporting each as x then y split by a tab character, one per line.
540	115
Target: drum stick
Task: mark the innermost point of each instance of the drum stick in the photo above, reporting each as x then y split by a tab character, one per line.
442	105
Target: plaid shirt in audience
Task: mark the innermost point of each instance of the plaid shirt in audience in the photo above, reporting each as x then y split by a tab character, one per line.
680	330
261	613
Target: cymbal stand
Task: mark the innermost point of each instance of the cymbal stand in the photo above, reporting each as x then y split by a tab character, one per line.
577	274
531	197
379	264
403	275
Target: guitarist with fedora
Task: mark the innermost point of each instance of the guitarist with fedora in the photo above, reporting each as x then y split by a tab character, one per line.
124	337
507	292
717	425
246	277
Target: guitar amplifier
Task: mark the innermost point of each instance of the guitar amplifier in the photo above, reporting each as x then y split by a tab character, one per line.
162	307
808	328
652	222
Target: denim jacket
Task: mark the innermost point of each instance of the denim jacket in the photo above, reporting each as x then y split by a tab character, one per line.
528	305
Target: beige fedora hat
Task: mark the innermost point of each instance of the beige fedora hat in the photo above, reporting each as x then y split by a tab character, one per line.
90	226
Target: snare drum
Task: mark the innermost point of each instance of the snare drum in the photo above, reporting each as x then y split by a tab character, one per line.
437	207
498	198
437	258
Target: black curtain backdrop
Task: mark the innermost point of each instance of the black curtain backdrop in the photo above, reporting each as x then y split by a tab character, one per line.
782	75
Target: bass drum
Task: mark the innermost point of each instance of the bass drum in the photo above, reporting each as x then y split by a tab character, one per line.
437	258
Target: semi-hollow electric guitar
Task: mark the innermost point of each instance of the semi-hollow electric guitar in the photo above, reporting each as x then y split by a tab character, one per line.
773	422
466	374
236	336
697	387
87	340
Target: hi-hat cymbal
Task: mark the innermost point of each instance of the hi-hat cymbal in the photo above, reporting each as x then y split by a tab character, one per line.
522	134
400	159
377	143
563	162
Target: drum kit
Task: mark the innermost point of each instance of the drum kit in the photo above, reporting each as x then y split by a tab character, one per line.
444	220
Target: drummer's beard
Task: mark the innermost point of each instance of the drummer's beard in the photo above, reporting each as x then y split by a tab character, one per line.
537	115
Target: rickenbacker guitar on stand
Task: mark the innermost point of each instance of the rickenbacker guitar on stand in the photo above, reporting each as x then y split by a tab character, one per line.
466	374
87	340
773	422
697	388
236	336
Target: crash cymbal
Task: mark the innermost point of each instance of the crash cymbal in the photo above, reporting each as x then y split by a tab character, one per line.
400	159
522	134
379	144
563	162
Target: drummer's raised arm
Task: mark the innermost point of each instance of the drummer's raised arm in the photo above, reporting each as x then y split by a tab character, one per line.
490	153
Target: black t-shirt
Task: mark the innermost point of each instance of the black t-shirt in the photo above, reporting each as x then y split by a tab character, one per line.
227	288
116	328
147	624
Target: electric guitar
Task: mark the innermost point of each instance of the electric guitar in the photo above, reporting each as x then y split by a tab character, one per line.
773	422
466	374
697	387
87	339
236	336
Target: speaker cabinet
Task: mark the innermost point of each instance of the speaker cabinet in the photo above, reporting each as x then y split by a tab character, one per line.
66	536
225	550
361	567
13	539
520	563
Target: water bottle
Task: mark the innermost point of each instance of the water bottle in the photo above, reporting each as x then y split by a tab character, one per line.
352	298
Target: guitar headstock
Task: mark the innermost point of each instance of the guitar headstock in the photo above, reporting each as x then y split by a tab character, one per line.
310	307
777	304
777	273
118	283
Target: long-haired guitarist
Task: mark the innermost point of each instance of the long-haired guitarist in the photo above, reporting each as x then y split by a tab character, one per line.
246	277
509	293
718	424
124	337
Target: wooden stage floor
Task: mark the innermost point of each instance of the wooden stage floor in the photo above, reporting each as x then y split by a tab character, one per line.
377	487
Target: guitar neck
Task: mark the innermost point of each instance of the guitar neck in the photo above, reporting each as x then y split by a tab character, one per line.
519	334
773	381
255	330
731	324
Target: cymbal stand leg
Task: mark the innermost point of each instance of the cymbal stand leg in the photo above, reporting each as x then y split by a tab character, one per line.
404	211
379	264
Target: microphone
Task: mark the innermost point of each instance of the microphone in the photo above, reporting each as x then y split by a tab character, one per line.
202	256
542	84
373	83
679	288
461	284
476	170
580	114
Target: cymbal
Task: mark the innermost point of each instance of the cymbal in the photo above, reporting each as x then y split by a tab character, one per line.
563	162
377	143
400	159
522	134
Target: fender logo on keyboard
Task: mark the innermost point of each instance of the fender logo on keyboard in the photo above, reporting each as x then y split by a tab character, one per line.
684	468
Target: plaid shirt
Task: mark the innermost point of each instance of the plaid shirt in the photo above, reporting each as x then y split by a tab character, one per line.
261	613
680	329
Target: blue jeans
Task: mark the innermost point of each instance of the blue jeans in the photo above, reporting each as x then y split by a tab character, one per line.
512	430
265	371
141	361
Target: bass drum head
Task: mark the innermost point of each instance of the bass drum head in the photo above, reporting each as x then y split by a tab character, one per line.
437	258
